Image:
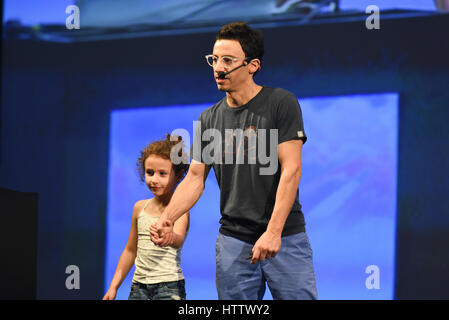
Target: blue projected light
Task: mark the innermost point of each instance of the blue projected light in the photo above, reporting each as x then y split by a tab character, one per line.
347	190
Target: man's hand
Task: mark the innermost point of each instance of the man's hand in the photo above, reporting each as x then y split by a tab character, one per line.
266	247
161	233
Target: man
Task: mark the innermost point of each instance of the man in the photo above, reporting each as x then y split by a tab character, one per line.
262	237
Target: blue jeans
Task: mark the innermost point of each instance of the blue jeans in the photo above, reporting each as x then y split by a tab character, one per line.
289	275
174	290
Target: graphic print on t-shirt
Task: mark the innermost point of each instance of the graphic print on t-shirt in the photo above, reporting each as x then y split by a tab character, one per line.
240	146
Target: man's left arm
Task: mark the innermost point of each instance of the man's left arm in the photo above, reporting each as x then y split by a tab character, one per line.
269	243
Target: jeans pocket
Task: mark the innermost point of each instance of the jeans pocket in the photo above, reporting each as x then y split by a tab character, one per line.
137	293
173	290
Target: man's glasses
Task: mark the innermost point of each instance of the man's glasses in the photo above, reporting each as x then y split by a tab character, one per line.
227	61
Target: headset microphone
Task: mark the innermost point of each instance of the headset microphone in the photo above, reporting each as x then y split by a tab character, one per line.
222	74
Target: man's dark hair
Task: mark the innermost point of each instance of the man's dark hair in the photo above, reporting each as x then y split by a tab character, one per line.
250	39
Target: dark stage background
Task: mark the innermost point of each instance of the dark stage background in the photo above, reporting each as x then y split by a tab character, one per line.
57	98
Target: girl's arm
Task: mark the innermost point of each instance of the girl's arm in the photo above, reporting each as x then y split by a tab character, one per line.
180	231
128	256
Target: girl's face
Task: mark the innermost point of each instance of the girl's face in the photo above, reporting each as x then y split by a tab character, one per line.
159	175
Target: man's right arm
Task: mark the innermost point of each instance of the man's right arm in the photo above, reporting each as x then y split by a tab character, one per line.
186	194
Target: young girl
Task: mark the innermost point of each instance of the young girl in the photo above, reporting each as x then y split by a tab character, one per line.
158	275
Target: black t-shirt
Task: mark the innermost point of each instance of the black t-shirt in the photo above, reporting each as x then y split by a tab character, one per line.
241	145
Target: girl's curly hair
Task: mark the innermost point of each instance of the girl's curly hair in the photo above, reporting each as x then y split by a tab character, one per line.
164	148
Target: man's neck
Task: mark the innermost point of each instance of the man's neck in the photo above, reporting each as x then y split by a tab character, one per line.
242	96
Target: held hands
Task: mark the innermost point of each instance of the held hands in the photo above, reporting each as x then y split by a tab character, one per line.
266	247
161	233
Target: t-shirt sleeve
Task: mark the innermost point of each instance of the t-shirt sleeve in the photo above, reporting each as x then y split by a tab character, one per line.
289	120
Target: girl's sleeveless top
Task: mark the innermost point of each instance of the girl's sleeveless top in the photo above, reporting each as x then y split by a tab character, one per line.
154	264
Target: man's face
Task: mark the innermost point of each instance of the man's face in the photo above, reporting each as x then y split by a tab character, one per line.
229	49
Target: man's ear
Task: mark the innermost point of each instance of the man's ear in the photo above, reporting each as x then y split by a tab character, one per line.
254	66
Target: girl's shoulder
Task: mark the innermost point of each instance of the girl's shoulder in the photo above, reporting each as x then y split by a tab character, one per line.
139	206
146	206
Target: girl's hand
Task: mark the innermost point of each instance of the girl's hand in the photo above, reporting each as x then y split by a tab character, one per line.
163	236
154	235
110	295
